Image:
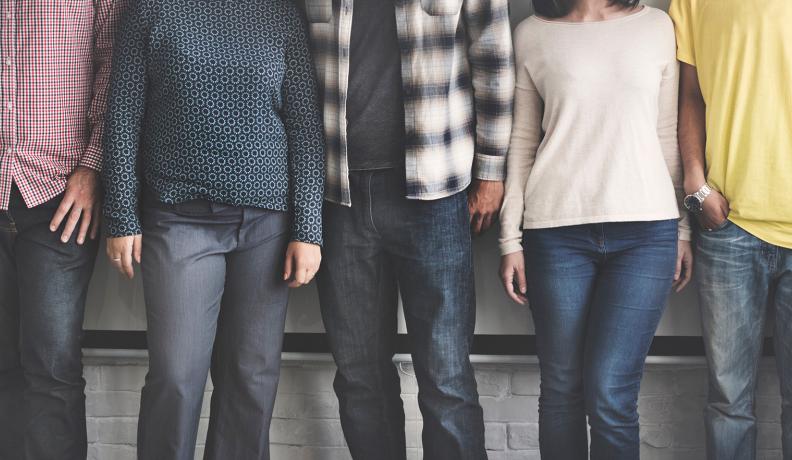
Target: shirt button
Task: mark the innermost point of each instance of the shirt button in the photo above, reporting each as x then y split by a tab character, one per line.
9	61
9	150
9	16
9	105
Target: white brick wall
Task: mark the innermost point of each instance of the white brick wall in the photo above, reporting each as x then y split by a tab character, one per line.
306	425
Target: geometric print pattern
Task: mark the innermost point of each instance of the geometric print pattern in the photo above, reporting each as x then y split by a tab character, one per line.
214	100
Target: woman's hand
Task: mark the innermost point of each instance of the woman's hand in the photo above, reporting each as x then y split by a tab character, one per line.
302	263
122	251
513	267
684	265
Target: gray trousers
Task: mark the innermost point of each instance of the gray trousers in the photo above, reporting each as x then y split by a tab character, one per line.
214	299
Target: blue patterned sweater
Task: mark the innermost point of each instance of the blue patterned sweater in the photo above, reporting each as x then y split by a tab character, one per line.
215	100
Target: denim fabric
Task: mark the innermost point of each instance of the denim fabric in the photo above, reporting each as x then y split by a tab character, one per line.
597	293
43	285
740	277
385	244
214	299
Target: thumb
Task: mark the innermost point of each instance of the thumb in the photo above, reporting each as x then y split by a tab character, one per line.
521	279
287	266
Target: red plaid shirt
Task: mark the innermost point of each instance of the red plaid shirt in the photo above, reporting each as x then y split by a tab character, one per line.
55	66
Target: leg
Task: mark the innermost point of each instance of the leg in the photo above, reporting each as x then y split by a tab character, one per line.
431	246
53	283
12	382
357	290
183	275
246	358
782	304
561	271
733	293
633	285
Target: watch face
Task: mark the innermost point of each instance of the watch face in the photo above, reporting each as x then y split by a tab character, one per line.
692	203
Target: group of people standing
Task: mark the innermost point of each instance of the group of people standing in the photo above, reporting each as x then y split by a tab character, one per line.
245	147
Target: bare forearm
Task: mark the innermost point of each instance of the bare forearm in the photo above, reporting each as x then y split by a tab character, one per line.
692	129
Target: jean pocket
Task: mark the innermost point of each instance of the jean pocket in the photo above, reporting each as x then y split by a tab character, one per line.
723	226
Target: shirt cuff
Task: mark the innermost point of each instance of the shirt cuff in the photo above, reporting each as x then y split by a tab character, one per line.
119	227
489	167
92	158
509	247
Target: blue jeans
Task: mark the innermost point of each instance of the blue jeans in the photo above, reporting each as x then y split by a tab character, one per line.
740	277
597	293
385	244
43	286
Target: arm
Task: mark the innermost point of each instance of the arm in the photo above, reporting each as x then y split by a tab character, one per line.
525	138
692	141
302	121
667	122
105	25
667	125
492	73
80	199
124	120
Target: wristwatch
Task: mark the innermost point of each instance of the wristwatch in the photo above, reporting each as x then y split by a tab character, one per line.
695	201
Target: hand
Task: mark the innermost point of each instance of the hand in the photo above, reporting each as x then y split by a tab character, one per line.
80	203
684	265
513	266
122	251
302	263
484	201
715	211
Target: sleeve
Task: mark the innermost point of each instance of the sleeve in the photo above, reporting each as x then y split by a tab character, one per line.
492	73
106	17
667	134
682	13
303	123
526	134
126	107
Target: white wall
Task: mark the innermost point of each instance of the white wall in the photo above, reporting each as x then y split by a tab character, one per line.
115	303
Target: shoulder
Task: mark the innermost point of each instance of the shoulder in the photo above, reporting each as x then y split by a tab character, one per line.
527	32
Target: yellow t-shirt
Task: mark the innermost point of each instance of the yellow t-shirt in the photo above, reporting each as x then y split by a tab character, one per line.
742	51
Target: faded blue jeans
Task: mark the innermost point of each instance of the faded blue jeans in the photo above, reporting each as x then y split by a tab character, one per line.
385	244
597	293
740	277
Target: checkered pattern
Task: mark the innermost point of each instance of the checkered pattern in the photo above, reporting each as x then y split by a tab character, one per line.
55	70
458	77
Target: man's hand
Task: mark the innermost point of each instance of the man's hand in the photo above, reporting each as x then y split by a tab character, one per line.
513	269
122	251
715	211
684	265
484	201
302	263
80	203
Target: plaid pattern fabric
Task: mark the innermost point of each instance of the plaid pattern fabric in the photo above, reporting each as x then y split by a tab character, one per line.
458	77
55	71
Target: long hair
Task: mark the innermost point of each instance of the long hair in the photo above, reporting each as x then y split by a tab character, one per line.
560	8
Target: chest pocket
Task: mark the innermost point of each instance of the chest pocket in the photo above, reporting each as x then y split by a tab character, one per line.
442	7
319	11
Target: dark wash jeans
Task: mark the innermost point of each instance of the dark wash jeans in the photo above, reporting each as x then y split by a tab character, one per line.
215	300
597	293
739	278
385	244
43	285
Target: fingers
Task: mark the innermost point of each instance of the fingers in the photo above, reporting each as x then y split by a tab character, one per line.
486	221
137	248
126	262
678	269
522	283
687	273
60	213
71	224
85	225
475	226
507	277
96	221
287	266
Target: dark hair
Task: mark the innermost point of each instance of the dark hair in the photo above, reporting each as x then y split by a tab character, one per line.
560	8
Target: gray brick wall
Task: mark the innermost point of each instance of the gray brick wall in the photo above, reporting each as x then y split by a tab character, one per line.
306	425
